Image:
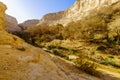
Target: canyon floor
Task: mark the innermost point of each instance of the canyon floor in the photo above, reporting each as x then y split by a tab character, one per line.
26	62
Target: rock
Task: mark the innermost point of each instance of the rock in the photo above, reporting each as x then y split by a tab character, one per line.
50	18
2	15
28	23
71	57
79	10
12	24
6	38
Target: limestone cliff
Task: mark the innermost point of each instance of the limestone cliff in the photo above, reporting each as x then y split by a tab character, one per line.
80	9
28	23
51	18
12	24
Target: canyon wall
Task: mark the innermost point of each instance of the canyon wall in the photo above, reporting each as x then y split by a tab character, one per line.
80	9
12	24
28	23
6	38
2	15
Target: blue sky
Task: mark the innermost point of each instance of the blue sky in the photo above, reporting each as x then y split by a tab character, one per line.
34	9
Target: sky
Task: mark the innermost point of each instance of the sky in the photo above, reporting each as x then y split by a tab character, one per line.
34	9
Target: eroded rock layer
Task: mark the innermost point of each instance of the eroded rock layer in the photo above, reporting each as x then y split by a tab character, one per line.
80	9
12	24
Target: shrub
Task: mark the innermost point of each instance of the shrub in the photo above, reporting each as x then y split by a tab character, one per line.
111	56
59	36
74	51
51	47
102	48
87	66
62	48
45	33
110	62
38	44
56	52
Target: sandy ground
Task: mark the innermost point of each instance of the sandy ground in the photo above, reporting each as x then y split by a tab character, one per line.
30	63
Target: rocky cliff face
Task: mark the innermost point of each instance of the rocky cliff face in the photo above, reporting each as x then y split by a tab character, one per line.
51	18
28	23
2	15
80	9
6	38
12	24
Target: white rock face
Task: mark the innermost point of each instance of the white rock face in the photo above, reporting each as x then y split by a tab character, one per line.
28	23
51	18
80	9
12	24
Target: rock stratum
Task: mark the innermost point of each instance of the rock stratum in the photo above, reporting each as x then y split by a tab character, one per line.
6	38
51	18
79	10
28	23
12	24
2	15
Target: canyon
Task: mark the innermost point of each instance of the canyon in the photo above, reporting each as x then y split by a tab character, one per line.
56	60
